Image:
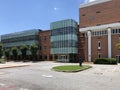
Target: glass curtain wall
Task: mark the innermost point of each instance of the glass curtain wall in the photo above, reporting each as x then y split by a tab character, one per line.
64	40
17	39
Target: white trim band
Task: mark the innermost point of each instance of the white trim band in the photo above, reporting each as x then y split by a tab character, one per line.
101	27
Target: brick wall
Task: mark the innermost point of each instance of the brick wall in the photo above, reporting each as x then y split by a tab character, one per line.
115	40
108	12
105	13
44	43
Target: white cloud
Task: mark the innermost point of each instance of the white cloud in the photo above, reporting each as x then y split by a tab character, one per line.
55	9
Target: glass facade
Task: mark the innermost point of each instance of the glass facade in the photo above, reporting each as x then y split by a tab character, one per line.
20	38
64	40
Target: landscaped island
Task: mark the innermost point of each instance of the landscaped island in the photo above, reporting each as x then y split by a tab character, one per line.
71	68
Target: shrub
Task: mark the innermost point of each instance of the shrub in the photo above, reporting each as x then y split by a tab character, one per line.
15	52
1	51
23	49
118	45
2	60
34	49
105	61
7	53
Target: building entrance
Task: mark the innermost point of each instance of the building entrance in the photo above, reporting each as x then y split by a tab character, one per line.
118	58
63	58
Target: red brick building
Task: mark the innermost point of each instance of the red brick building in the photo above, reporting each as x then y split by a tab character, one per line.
81	43
100	24
44	45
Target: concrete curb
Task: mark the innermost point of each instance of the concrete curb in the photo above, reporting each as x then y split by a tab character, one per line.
13	66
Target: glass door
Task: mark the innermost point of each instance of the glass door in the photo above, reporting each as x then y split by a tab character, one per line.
118	58
64	58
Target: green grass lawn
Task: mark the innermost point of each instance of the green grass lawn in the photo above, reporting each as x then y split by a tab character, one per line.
71	68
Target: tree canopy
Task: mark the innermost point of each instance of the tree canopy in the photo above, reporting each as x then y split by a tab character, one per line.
1	52
118	45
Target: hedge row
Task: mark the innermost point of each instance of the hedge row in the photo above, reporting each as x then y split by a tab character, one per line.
105	61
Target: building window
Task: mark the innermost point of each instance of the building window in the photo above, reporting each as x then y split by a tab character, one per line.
95	34
99	55
51	57
115	31
99	45
105	32
40	38
83	15
98	24
101	33
45	47
92	33
98	33
98	12
40	48
56	57
45	38
45	56
85	34
40	57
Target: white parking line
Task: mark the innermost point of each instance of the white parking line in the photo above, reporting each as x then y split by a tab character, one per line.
48	76
24	89
114	69
1	84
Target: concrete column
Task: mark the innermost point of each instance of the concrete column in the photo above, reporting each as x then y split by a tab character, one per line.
89	46
109	43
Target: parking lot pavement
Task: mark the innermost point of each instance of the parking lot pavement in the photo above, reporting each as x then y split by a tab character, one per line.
104	70
15	85
39	76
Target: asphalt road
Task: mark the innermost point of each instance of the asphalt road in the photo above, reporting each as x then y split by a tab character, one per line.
39	76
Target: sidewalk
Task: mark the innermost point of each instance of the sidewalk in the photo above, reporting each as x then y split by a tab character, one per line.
14	64
90	63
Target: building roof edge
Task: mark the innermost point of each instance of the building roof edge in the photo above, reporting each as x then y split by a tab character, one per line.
93	3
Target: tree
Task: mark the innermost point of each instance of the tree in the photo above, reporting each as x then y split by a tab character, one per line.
7	53
15	52
1	52
23	49
118	45
33	49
